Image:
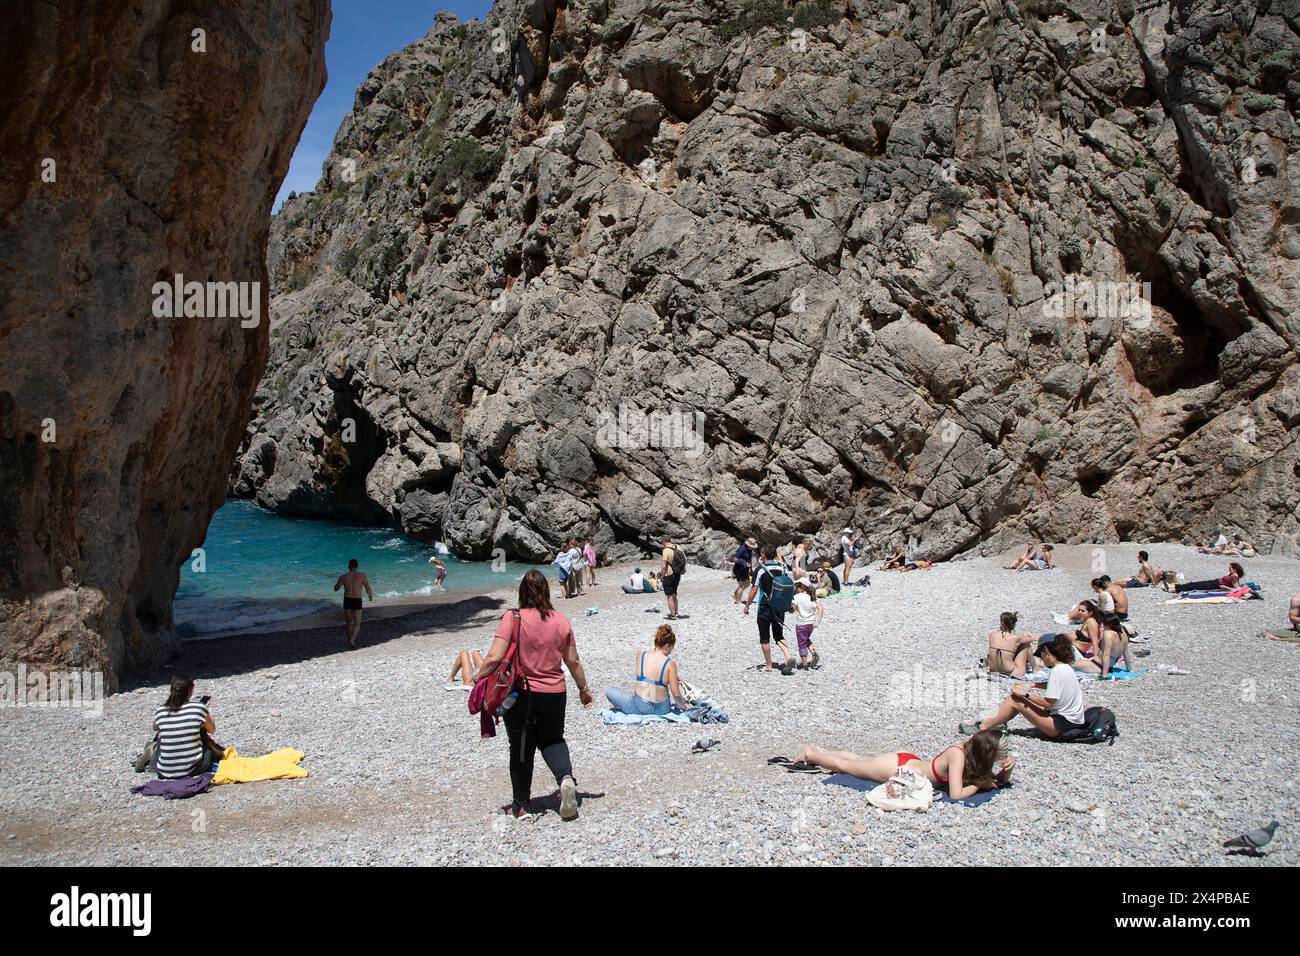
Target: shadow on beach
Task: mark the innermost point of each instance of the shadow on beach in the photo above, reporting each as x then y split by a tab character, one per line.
239	654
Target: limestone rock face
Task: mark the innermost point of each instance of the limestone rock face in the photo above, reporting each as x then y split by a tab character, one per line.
134	149
713	269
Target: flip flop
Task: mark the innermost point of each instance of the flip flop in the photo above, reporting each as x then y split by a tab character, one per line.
802	766
779	761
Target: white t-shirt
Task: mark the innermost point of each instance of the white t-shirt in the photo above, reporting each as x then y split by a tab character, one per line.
845	543
637	581
1063	687
1106	602
805	609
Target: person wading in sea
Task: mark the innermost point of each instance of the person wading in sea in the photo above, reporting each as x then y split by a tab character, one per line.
352	584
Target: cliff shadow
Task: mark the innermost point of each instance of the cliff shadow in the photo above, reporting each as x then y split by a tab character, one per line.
206	659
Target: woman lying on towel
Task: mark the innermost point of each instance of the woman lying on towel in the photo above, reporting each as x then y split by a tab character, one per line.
1009	649
1226	583
655	687
466	666
963	769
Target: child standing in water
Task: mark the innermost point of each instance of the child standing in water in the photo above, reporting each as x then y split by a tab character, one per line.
442	572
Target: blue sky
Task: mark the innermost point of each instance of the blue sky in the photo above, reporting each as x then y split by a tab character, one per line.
362	33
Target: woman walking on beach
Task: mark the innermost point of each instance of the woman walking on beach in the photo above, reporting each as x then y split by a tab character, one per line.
535	721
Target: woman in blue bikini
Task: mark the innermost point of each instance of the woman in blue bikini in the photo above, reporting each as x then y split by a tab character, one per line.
656	685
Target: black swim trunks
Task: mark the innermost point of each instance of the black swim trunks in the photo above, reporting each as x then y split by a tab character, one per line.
670	582
351	604
1062	725
740	571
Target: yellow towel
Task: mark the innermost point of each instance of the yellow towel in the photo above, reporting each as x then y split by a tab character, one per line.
281	764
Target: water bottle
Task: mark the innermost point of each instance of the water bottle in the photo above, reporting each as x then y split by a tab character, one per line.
509	701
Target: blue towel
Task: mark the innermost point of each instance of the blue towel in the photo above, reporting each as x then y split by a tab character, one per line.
618	717
1119	673
940	796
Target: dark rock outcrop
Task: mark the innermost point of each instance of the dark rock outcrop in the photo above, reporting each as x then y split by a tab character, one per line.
834	230
135	149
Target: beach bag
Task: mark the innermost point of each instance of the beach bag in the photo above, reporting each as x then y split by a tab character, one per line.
781	596
905	790
493	695
1098	726
689	691
679	562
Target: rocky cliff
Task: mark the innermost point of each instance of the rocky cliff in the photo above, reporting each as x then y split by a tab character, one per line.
142	140
959	271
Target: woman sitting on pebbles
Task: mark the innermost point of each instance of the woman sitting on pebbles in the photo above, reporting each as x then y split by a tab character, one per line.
1101	599
183	745
652	695
1100	658
1008	648
1089	635
963	769
1059	707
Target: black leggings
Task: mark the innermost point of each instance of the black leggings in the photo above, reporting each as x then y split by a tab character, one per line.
536	722
1213	585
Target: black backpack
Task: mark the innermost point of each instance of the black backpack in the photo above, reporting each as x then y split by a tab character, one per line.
1098	726
679	561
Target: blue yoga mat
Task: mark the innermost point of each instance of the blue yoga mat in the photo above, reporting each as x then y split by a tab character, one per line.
940	796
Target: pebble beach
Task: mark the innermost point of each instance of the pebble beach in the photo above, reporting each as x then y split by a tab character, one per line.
399	774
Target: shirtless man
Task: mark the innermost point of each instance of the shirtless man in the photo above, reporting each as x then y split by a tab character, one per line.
352	584
1118	595
1147	577
1293	619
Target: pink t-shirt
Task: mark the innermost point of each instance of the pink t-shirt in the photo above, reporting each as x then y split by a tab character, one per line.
589	552
541	647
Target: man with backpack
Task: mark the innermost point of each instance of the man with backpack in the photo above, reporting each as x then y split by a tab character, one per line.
674	568
774	589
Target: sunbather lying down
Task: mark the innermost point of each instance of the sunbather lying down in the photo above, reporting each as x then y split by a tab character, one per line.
466	666
963	769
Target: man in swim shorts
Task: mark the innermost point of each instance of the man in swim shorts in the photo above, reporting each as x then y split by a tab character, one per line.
352	584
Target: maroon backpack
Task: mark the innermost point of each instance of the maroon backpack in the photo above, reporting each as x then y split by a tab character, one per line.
493	695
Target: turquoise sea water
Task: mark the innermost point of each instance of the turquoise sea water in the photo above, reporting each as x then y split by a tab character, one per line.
263	569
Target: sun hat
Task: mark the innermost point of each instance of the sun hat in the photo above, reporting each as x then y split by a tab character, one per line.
847	531
751	542
905	790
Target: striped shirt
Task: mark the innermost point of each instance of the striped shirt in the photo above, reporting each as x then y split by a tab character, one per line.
179	743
